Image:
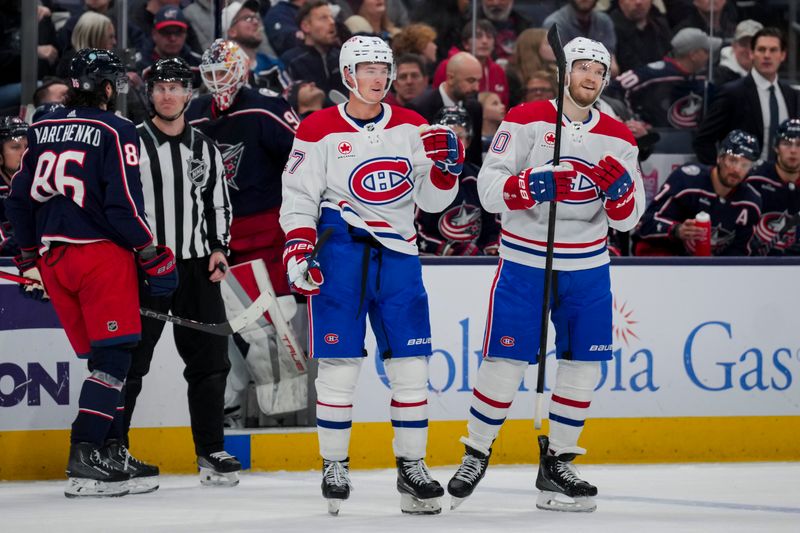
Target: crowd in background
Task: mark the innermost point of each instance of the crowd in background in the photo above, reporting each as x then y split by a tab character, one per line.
702	67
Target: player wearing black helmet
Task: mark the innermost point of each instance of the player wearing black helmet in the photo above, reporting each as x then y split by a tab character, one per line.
13	142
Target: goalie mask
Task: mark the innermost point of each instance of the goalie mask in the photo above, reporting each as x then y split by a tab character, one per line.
581	48
224	69
365	49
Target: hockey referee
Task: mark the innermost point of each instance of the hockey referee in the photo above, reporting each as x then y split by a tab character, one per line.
187	206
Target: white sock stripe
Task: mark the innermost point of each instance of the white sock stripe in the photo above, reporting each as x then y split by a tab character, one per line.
334	414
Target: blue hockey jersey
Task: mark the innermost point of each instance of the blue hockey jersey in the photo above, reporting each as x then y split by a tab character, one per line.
688	191
79	182
255	136
776	232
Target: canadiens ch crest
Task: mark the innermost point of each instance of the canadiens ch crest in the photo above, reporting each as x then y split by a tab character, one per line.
382	180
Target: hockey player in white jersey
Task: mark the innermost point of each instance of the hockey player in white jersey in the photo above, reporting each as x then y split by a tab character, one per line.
358	169
597	185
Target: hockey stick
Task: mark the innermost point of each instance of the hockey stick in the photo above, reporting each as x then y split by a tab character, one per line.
561	61
248	316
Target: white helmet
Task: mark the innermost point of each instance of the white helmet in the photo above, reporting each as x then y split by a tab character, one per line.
224	69
582	48
365	49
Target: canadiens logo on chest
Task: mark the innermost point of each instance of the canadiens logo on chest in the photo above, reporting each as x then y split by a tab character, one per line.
381	180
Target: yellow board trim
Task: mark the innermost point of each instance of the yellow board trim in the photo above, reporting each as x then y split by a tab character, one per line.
26	455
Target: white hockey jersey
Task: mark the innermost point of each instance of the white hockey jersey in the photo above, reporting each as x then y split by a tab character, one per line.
526	139
372	175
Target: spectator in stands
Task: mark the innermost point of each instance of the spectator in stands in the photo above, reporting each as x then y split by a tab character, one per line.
92	30
283	30
494	77
460	88
411	80
447	17
669	93
699	16
541	85
200	15
317	59
668	226
143	16
756	103
417	38
168	39
532	53
241	23
643	29
579	19
737	59
508	23
375	13
104	7
494	111
305	98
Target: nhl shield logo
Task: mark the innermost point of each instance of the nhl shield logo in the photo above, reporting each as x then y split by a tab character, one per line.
112	326
381	180
197	171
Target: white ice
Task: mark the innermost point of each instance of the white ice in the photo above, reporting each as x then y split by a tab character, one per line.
653	498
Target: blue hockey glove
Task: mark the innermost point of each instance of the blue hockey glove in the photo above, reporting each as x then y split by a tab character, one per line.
444	148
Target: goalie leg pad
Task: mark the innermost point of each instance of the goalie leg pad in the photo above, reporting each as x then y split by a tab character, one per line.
336	385
498	382
569	405
408	377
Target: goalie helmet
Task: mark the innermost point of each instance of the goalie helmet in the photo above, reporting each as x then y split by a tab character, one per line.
91	67
741	144
11	128
365	49
224	69
788	130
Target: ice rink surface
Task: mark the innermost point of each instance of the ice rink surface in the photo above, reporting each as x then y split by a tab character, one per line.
653	498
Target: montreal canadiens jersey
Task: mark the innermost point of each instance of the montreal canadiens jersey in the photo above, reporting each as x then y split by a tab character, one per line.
688	191
79	182
372	175
526	139
776	231
255	136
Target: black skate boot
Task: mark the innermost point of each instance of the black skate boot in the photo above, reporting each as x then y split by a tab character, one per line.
419	492
144	477
90	474
558	479
336	485
472	469
219	469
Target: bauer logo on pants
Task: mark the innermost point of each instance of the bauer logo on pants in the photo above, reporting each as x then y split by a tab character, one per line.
381	180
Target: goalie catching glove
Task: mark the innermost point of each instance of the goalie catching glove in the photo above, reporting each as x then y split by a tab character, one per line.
303	272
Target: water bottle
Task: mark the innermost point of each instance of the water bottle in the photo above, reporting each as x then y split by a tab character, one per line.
702	246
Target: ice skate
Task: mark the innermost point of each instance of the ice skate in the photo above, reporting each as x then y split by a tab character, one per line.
472	469
561	488
219	469
144	477
336	485
91	475
419	492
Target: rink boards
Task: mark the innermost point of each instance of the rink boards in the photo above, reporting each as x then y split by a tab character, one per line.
706	368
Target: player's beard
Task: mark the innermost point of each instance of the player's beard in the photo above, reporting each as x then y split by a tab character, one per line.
786	168
581	101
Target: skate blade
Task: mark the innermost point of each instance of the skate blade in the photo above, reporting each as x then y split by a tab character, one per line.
411	505
91	488
333	506
212	478
555	501
143	485
455	502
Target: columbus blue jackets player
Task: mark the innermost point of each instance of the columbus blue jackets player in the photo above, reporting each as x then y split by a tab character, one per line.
464	227
668	226
77	211
13	143
254	130
359	169
598	185
776	232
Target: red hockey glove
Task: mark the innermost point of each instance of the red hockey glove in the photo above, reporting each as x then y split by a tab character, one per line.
303	272
538	185
617	186
444	148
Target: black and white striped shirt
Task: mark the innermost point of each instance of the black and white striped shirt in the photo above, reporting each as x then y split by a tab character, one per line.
185	192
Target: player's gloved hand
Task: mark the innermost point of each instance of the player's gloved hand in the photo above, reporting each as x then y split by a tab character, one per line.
158	265
612	178
303	272
547	182
28	268
444	148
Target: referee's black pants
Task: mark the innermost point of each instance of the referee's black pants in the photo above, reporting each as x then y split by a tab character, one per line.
205	355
